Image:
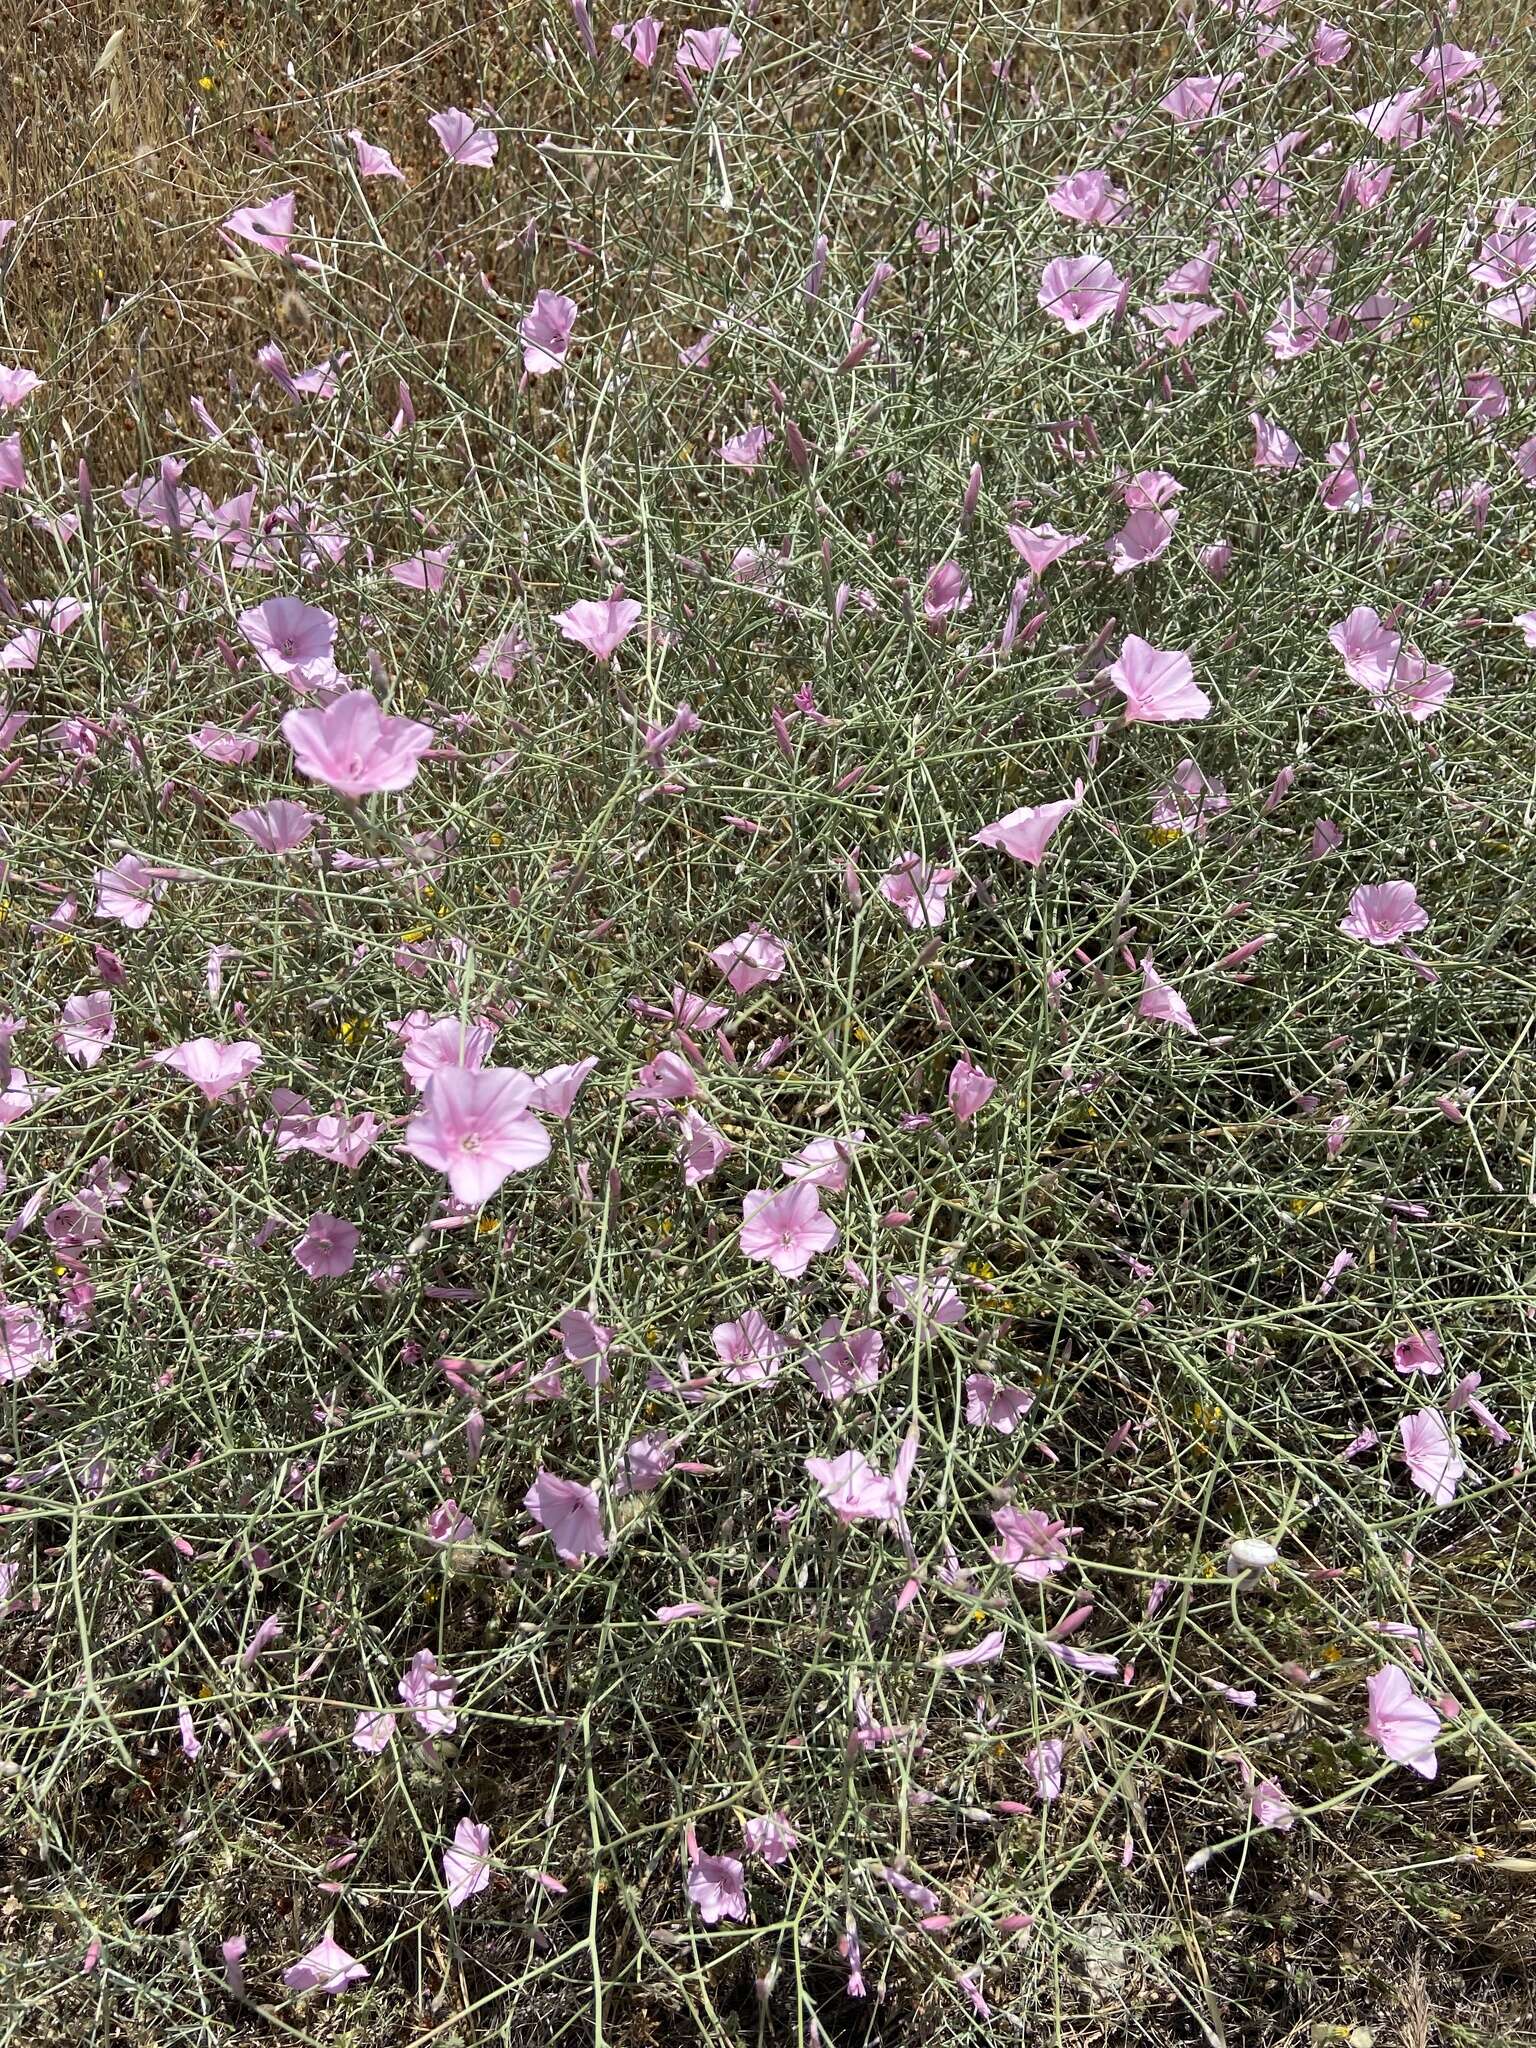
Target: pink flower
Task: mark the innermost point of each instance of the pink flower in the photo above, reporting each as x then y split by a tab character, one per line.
1162	1004
645	1462
641	38
546	330
601	625
746	450
212	1067
229	749
327	1968
429	1044
1193	101
751	958
1428	1449
987	1651
1368	649
989	1406
290	636
476	1128
947	591
1078	290
856	1492
1299	324
716	1884
786	1227
825	1161
1330	45
918	890
86	1027
1274	448
24	1342
372	160
1158	684
269	224
13	470
373	1731
1026	833
970	1089
328	1248
1044	1763
1042	545
570	1513
1033	1546
667	1078
354	747
448	1524
770	1836
844	1361
464	144
1420	1352
1091	197
126	893
705	1150
17	386
556	1089
427	1690
706	49
932	1303
276	827
751	1350
1266	1801
1400	1723
466	1862
1381	913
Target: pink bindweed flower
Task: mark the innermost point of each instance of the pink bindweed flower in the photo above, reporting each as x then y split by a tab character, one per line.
1273	446
1400	1723
467	1863
751	1350
1042	545
276	827
127	892
1381	913
1045	1765
856	1492
448	1524
1079	290
464	144
556	1089
751	958
641	38
770	1836
268	224
545	331
826	1162
667	1078
970	1089
476	1127
946	593
290	636
918	890
990	1406
601	625
373	161
1091	197
1193	101
429	1044
744	451
1158	684
1428	1449
716	1884
1032	1545
987	1651
786	1227
328	1248
427	1690
326	1968
845	1361
1162	1004
13	469
931	1302
24	1342
355	747
1420	1352
1266	1800
706	49
213	1068
704	1149
569	1512
373	1730
86	1027
17	386
1026	833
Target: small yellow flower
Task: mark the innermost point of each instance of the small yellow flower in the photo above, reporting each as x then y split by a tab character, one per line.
487	1226
353	1030
1332	1654
5	909
206	83
494	840
1163	835
415	934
